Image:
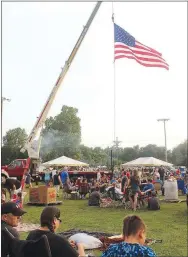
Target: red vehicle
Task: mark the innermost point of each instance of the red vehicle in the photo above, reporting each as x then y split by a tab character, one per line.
17	168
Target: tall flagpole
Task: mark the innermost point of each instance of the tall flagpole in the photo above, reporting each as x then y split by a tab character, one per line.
114	74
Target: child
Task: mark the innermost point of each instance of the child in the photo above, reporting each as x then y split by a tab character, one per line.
19	200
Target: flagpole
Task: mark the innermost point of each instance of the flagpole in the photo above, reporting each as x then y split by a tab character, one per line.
114	76
114	82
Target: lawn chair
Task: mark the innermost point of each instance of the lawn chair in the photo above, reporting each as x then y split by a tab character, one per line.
26	248
83	189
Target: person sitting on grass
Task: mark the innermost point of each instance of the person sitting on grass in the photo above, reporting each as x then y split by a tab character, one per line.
153	202
94	198
59	246
134	235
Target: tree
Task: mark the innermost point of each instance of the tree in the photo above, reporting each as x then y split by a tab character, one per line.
62	134
179	154
15	138
13	141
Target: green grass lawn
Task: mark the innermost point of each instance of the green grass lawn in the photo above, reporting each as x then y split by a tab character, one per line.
168	224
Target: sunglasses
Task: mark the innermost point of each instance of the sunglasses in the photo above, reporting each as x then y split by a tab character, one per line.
59	220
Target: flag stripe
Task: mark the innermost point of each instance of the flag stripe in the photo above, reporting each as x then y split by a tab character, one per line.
142	57
136	51
148	64
141	46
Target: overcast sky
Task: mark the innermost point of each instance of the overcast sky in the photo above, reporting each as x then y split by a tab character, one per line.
37	38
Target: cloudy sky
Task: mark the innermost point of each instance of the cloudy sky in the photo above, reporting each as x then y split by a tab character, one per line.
37	38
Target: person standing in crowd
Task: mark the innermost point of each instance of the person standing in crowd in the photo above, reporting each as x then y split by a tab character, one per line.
156	175
53	172
161	173
37	178
63	177
124	182
134	189
28	179
10	216
134	235
59	246
47	178
98	176
56	182
128	174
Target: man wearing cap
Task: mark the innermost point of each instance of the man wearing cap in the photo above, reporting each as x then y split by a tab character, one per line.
10	216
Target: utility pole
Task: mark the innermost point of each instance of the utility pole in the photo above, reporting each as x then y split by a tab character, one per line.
3	99
116	146
164	122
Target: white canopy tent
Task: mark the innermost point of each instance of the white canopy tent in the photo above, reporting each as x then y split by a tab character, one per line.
147	161
64	161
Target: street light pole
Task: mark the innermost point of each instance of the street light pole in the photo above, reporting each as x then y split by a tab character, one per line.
2	100
164	122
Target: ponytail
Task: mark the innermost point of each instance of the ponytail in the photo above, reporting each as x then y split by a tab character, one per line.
51	228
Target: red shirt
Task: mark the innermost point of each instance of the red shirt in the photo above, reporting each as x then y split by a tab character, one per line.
128	174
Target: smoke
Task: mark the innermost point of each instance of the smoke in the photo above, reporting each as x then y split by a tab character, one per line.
59	141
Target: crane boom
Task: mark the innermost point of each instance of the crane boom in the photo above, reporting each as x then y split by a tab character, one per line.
43	115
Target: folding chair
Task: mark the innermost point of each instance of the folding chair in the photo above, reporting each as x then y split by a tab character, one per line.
26	248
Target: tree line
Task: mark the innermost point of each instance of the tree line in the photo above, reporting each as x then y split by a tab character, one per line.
62	136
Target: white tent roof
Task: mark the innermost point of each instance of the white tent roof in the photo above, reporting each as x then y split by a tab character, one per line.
64	161
147	161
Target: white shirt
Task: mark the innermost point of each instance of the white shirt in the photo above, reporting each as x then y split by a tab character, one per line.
53	173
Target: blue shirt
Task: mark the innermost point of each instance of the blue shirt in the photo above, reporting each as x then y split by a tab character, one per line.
64	176
47	176
124	249
149	186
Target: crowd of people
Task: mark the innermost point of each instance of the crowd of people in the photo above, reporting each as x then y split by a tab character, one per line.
132	184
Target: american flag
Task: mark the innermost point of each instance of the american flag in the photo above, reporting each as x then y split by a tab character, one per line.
126	46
